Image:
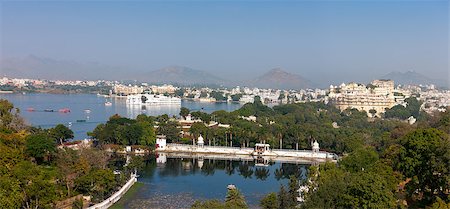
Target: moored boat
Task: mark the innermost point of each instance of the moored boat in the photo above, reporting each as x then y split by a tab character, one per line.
64	110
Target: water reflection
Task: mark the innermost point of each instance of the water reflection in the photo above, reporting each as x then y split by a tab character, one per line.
205	177
134	110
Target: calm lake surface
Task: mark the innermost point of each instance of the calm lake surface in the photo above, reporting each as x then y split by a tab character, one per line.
176	182
169	182
99	113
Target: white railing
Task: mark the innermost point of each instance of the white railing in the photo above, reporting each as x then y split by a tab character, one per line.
206	146
248	151
116	196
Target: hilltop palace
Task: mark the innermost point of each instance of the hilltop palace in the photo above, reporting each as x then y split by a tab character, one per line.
377	96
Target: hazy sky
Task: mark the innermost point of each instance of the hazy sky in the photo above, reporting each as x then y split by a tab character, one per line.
323	41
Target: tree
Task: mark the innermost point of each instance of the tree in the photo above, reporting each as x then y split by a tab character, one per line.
401	112
99	183
373	112
235	199
198	129
270	201
129	135
37	185
67	164
425	157
40	147
148	134
208	204
360	159
61	133
171	130
293	191
236	97
283	198
180	92
5	112
184	112
440	204
11	195
205	117
367	190
9	117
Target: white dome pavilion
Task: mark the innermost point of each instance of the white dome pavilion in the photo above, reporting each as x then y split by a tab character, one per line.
200	140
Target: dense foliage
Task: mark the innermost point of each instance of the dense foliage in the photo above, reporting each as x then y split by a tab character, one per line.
34	173
233	200
412	108
124	131
386	163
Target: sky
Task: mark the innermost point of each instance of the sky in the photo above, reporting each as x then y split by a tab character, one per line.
324	41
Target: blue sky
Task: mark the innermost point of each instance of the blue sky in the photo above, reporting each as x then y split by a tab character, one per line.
324	41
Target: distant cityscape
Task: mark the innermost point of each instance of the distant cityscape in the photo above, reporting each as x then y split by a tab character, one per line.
373	98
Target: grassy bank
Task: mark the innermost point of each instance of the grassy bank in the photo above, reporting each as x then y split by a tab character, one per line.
130	193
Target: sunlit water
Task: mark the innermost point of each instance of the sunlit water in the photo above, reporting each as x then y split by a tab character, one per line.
168	182
174	182
99	113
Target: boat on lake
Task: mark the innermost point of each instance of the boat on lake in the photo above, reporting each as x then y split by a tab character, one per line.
108	104
64	110
81	121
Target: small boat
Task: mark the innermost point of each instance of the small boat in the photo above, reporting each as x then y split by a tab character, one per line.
64	110
49	110
30	109
108	104
81	121
87	111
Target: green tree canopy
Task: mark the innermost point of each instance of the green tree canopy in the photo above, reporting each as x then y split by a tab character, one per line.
40	147
425	157
60	133
184	112
270	201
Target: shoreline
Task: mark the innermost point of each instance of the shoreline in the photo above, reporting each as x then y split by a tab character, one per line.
108	202
127	196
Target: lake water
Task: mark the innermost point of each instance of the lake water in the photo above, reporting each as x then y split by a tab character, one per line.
99	113
169	181
176	182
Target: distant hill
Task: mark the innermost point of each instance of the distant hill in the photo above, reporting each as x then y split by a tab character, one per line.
412	77
182	76
36	67
277	78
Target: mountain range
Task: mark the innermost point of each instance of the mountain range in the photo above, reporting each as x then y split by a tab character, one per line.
412	77
182	76
277	78
45	68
